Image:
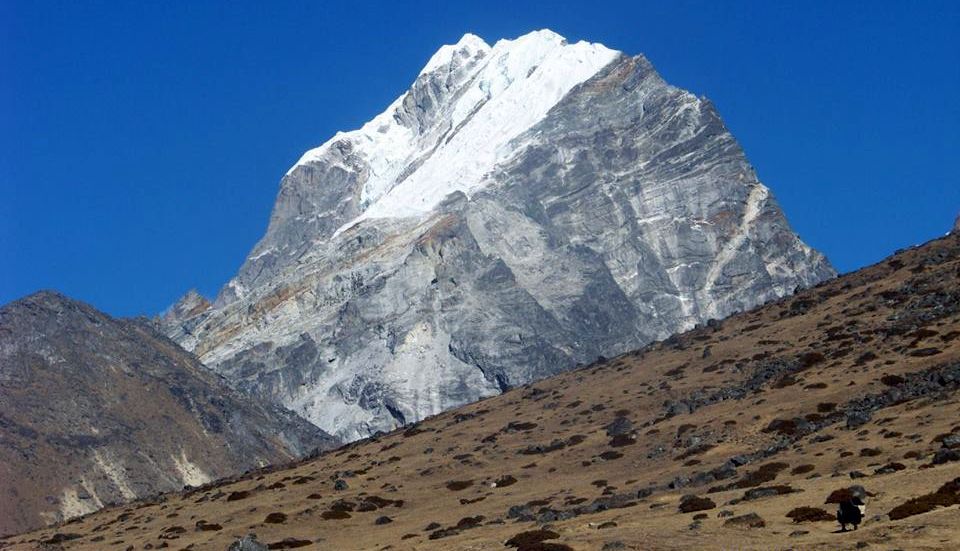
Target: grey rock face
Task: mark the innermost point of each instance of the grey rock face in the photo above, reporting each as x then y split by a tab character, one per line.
95	410
247	543
626	213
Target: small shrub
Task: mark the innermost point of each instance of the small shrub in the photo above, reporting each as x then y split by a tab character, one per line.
810	514
946	496
275	518
810	359
621	440
892	380
765	473
524	539
505	481
786	427
692	503
457	485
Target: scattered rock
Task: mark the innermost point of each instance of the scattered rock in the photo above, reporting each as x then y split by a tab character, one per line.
945	455
890	468
247	543
749	520
619	426
767	491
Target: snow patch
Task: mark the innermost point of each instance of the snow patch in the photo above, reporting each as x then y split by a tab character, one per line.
467	45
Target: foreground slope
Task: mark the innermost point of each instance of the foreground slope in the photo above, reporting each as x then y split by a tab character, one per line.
853	382
523	208
95	410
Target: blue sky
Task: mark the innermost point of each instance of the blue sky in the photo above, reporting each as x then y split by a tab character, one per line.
142	143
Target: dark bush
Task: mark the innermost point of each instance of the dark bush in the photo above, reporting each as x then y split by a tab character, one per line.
765	473
810	514
810	359
892	380
530	537
946	496
457	485
505	481
692	503
786	427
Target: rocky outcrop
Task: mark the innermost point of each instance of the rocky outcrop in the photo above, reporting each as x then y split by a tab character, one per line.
95	410
522	209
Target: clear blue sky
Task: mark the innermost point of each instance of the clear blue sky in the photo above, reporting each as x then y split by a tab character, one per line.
141	143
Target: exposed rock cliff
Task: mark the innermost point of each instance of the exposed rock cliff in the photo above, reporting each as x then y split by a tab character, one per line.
521	209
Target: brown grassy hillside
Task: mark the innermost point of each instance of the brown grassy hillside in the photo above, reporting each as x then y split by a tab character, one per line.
734	435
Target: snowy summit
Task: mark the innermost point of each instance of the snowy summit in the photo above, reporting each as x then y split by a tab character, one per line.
488	96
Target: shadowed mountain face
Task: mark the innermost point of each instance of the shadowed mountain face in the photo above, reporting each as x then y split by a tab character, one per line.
95	410
523	208
743	434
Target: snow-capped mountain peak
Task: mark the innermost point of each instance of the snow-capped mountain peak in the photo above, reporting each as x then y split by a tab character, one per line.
479	99
522	208
466	47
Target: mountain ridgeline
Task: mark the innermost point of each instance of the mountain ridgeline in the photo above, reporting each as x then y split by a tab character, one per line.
522	209
96	410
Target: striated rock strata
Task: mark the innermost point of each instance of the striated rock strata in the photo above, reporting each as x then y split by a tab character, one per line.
521	209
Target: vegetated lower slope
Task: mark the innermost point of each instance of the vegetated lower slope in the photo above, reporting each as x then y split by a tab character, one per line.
96	410
740	434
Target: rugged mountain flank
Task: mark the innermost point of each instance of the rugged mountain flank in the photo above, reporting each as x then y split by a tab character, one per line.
522	209
95	410
742	434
